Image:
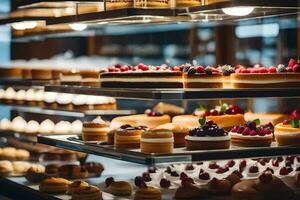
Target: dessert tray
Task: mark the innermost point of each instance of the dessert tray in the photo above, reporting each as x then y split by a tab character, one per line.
74	142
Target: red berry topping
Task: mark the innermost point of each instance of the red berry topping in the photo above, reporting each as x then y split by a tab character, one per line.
205	114
189	167
269	170
263	70
200	69
164	183
245	71
261	132
143	185
246	131
124	68
238	66
174	174
298	176
234	129
230	163
177	68
266	177
296	68
295	114
138	181
213	165
292	62
254	70
285	122
204	176
222	170
272	70
214	112
239	174
253	133
240	129
183	176
146	177
111	68
242	165
283	171
109	181
262	161
275	163
289	69
253	169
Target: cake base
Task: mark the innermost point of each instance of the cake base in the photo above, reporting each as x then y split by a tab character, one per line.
141	85
207	145
86	136
160	148
288	141
250	143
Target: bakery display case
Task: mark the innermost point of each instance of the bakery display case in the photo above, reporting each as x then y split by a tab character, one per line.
97	103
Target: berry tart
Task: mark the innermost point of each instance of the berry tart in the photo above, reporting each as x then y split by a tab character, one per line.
207	136
128	137
225	116
266	118
200	77
273	77
141	76
149	119
251	135
287	133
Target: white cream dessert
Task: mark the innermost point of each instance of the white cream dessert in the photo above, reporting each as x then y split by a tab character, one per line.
76	127
2	93
50	98
64	101
46	127
19	124
39	95
10	94
5	124
62	127
20	96
79	101
32	127
95	130
30	96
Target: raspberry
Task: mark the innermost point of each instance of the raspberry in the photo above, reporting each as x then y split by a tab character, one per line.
176	68
253	133
189	167
164	183
254	71
222	170
146	177
272	70
285	122
240	129
253	169
266	177
200	69
238	66
183	176
234	129
296	68
245	71
117	70
263	70
214	112
283	171
242	165
204	176
213	165
289	69
111	68
246	131
292	62
275	163
124	68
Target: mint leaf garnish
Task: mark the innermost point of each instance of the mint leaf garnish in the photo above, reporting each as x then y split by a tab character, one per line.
202	121
295	123
257	122
224	107
201	107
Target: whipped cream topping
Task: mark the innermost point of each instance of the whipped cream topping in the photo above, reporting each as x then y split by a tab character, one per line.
2	93
62	127
64	98
249	136
5	124
50	97
76	126
19	124
93	100
30	95
47	126
98	120
79	99
9	93
20	95
158	140
32	127
39	95
207	138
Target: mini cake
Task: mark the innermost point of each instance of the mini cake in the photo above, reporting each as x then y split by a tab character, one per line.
10	95
287	133
11	72
46	127
62	127
272	77
19	124
150	193
54	185
39	98
72	171
200	77
80	102
251	135
26	73
21	167
141	76
150	120
36	174
32	127
208	136
70	77
20	97
64	101
87	192
120	188
94	168
101	103
95	130
5	167
90	77
75	185
128	137
50	99
41	74
5	124
187	3
22	154
76	127
224	116
30	97
179	132
188	191
266	118
157	141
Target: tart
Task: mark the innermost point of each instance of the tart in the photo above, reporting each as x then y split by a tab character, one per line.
225	116
120	188
207	136
157	141
179	132
200	77
54	185
128	137
150	120
87	192
287	133
251	135
266	118
95	130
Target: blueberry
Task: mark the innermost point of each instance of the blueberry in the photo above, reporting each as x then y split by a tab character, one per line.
208	70
192	70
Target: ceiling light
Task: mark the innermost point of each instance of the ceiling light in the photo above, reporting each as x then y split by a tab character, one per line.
78	27
24	25
238	11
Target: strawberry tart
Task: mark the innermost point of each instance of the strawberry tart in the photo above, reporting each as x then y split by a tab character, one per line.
225	116
141	76
273	77
251	135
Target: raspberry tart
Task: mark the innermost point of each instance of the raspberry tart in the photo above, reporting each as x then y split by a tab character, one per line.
207	136
272	77
251	135
224	116
200	77
141	76
287	133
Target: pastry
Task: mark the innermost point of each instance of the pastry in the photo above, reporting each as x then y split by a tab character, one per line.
179	133
80	102
54	185
19	124
76	127
157	141
200	77
101	103
216	186
32	128
41	74
149	193
39	98
87	192
120	188
150	120
225	116
9	153
5	124
9	95
62	127
64	101
207	136
128	137
76	185
251	135
72	171
20	97
20	167
94	168
22	154
246	190
52	169
5	168
36	174
70	77
95	130
111	137
46	127
90	77
66	155
2	93
141	76
287	133
50	100
30	97
266	118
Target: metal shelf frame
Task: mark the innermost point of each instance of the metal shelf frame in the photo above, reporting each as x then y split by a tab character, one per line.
179	155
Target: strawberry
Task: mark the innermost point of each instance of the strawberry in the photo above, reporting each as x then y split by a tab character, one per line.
272	70
292	62
296	68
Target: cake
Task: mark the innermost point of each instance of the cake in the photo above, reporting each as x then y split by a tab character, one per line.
200	77
157	141
251	135
46	127
62	128
90	77
50	99
287	133
169	109
72	171
150	120
187	3
70	77
35	174
12	72
272	77
20	97
26	73
87	192
266	118
141	76
101	103
9	95
64	101
225	116
150	193
179	132
95	130
54	185
94	168
41	74
32	127
120	188
128	137
80	102
207	136
76	185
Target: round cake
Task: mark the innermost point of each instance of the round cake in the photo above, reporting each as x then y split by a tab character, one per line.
157	141
128	137
87	192
150	120
54	185
207	136
95	130
287	134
